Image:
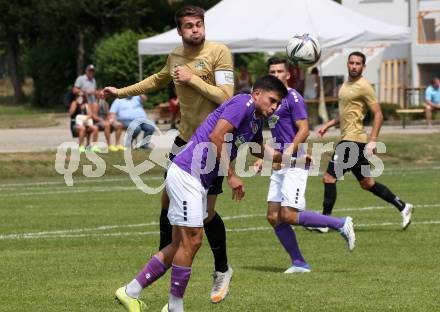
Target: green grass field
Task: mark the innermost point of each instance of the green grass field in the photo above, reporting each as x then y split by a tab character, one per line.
69	248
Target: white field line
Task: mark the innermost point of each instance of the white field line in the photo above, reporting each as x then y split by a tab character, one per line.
32	185
75	191
67	233
39	185
234	230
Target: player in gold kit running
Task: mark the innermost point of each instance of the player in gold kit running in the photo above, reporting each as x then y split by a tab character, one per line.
351	153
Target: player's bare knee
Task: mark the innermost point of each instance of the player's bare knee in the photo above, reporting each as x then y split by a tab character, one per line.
366	183
288	215
328	179
272	217
192	239
196	242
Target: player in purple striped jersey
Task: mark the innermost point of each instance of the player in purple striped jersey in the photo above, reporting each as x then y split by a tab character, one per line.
206	156
286	201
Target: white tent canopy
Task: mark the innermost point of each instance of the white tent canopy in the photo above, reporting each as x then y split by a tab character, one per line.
265	26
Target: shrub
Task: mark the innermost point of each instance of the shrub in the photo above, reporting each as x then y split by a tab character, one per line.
116	61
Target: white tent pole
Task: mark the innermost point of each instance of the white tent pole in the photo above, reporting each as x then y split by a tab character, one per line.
322	108
413	9
140	67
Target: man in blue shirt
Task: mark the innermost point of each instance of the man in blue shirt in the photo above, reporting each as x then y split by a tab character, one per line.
432	98
131	109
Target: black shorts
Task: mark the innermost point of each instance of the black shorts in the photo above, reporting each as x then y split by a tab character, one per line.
349	156
216	187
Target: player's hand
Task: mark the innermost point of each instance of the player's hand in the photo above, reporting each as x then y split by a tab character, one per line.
321	131
181	75
110	91
277	166
307	160
258	165
371	148
237	187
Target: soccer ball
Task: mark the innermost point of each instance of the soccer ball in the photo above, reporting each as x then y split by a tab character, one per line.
303	50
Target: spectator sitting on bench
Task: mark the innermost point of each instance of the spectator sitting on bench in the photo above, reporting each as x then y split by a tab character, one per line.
131	109
101	118
81	123
432	98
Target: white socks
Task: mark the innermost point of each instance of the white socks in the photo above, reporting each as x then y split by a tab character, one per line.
133	289
175	304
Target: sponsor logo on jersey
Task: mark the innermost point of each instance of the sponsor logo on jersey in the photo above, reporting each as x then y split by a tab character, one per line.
273	120
254	126
200	65
239	140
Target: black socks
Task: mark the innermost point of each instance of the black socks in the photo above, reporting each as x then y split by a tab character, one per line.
383	192
216	234
329	198
166	229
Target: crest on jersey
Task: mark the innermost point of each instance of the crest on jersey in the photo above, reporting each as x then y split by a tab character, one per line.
254	126
200	65
273	120
239	140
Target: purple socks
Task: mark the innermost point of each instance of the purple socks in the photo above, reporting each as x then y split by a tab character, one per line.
287	238
151	272
313	219
179	280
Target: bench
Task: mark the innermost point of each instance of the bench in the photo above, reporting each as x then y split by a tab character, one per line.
406	111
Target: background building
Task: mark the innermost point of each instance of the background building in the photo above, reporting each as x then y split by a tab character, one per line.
398	67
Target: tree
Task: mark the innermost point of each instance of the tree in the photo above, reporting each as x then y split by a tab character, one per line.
116	62
13	23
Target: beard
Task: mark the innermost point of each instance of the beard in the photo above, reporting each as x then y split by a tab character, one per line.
194	42
354	74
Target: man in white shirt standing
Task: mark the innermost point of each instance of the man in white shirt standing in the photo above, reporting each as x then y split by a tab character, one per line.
87	84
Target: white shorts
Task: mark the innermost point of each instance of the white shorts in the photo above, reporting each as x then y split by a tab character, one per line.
188	198
288	187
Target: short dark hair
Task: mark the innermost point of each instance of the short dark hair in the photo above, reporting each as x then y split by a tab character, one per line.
360	54
434	79
270	83
277	60
188	10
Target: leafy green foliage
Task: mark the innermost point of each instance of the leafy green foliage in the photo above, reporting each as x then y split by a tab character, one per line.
254	62
116	63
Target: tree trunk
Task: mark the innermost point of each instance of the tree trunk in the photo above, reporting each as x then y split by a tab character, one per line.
80	55
13	55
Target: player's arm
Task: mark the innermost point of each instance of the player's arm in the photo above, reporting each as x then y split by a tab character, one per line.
369	96
331	123
224	78
219	93
377	123
268	151
217	137
300	137
149	84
